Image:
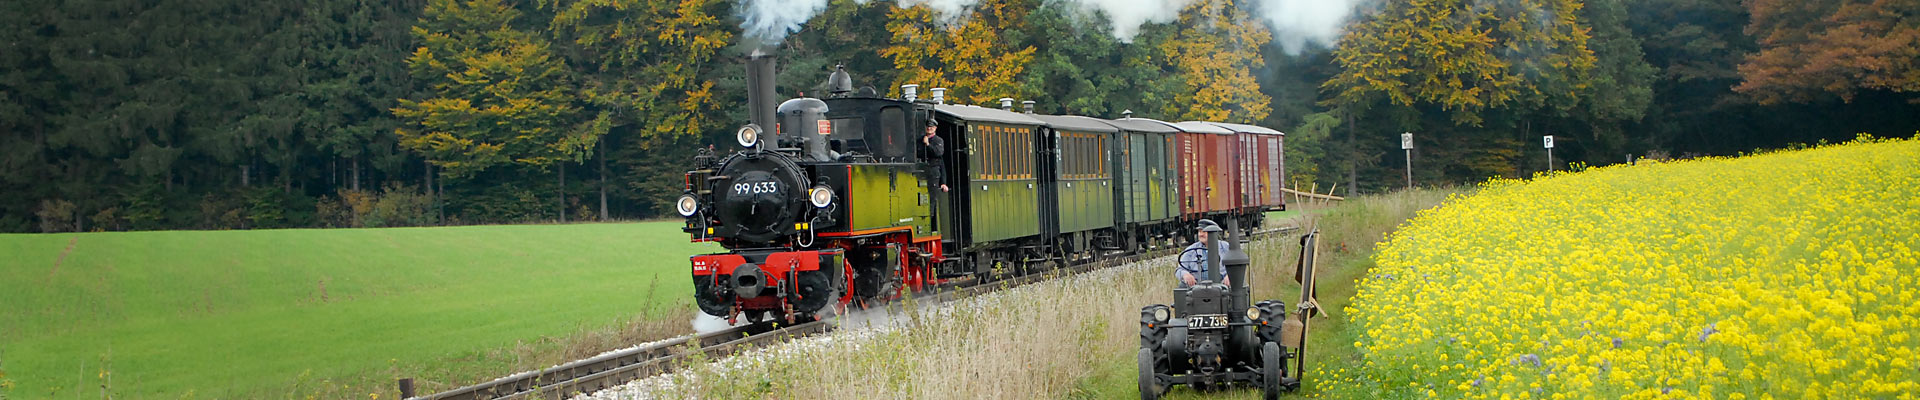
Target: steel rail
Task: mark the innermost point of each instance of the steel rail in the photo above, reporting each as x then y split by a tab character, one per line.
619	367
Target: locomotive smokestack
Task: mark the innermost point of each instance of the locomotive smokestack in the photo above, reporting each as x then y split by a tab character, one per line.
760	98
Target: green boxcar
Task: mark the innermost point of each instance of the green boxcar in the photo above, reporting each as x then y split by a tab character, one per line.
1148	191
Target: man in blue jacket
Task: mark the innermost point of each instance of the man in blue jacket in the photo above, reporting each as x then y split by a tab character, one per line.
1193	259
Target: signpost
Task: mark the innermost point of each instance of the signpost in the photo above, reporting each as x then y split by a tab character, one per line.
1549	142
1406	143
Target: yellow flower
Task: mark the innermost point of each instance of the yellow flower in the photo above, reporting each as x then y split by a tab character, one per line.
1663	279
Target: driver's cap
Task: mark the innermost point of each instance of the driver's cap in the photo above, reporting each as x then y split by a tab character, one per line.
1207	225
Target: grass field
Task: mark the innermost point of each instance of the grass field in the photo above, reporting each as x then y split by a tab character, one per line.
1782	275
333	313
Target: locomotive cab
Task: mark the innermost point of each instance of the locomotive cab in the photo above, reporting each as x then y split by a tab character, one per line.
1212	337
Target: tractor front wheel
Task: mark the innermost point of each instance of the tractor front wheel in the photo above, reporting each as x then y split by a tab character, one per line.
1149	384
1270	364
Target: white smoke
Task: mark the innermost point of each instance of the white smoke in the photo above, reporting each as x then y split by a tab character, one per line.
1296	23
1126	16
770	21
705	324
949	12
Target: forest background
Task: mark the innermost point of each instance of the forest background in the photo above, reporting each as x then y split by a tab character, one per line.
229	114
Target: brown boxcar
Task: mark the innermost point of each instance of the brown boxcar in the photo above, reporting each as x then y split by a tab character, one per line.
1262	166
1212	186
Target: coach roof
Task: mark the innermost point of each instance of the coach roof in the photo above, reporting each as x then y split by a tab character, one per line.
1148	125
983	114
1244	128
1203	127
1077	123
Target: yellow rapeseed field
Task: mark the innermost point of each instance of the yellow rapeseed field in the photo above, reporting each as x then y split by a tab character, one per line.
1782	275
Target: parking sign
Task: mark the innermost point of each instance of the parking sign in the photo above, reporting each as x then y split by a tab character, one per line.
1549	139
1406	141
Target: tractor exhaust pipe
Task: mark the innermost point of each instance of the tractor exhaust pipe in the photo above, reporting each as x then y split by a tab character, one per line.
1236	258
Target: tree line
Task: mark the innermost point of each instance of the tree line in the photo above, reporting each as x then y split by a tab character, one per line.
222	114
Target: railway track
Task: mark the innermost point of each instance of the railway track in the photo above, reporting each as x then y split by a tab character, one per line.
612	369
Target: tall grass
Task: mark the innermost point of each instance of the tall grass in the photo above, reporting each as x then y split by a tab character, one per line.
1072	337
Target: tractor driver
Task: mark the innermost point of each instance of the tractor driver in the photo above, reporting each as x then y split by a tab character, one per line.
1193	259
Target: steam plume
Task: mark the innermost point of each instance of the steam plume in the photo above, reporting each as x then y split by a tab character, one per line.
1126	16
1296	23
949	12
770	21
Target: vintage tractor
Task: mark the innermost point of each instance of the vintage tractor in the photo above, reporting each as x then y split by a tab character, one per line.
1212	337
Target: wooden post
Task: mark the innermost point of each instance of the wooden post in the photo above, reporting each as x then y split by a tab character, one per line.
406	388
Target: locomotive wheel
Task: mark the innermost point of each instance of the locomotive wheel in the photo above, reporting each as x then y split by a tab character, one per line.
1149	384
1270	364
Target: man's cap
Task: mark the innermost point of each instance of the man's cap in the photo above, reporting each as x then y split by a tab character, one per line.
931	122
1207	225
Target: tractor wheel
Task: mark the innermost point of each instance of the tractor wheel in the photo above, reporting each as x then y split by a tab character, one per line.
1270	365
1149	385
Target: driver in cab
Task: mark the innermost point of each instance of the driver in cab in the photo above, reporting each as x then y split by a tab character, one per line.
1193	259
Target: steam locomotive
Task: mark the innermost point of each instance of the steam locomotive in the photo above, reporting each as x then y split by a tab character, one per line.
830	201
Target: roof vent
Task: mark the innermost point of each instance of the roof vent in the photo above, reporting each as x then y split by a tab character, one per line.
1006	103
1028	105
939	95
1128	114
910	92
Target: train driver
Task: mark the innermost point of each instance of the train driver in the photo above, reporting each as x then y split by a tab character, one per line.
1193	264
934	152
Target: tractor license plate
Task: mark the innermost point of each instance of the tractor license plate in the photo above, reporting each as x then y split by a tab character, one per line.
1207	321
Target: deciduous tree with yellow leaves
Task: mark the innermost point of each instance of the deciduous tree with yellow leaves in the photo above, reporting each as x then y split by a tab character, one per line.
1216	49
972	56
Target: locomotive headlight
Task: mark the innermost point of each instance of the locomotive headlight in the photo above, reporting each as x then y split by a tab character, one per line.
1161	314
820	196
687	205
747	135
1253	313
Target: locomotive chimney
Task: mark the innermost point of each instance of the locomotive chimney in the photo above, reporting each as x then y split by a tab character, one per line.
909	92
760	97
1006	103
939	95
1028	105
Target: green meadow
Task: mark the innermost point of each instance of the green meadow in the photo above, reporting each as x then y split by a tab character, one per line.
298	313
